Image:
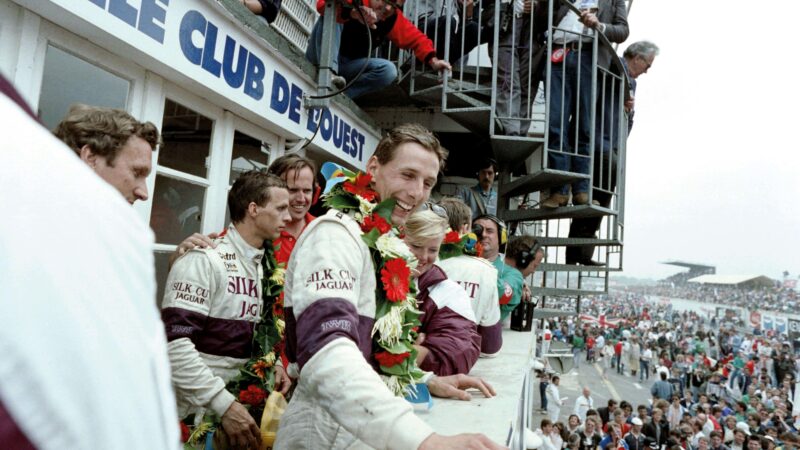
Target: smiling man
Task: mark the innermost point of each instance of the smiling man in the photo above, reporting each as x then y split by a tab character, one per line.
212	302
299	173
115	145
340	401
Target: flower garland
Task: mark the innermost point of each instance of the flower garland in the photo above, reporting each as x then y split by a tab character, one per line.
396	313
256	379
455	245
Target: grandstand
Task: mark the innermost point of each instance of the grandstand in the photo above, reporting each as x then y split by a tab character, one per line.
695	270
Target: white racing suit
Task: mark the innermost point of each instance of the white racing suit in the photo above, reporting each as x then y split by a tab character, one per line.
478	277
212	302
340	401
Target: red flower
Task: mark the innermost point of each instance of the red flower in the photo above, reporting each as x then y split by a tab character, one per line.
361	187
277	309
452	238
387	359
478	250
254	395
375	221
395	277
184	432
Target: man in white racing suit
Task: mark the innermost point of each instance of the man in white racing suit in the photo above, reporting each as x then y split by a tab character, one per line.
212	303
340	401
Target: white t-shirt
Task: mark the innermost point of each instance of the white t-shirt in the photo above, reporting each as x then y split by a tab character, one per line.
84	358
479	279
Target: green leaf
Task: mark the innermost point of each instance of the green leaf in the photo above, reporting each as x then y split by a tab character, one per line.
371	237
385	208
343	202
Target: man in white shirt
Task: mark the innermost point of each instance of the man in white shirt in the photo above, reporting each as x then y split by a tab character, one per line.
584	403
84	360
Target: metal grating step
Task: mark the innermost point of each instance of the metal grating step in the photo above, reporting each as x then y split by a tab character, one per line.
560	241
565	212
515	149
562	292
542	179
548	267
475	119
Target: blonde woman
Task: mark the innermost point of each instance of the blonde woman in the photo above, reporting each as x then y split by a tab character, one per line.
448	341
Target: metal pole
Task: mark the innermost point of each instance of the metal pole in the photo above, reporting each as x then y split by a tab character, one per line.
325	73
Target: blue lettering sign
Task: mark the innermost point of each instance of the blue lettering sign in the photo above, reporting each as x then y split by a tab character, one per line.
234	76
191	22
280	94
211	65
254	78
149	12
146	16
249	68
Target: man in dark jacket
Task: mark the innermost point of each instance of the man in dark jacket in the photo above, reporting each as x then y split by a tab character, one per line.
657	429
606	411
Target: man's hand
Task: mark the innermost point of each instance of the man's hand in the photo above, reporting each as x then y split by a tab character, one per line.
439	65
526	294
369	18
196	240
527	6
241	429
629	104
589	19
282	380
454	386
459	442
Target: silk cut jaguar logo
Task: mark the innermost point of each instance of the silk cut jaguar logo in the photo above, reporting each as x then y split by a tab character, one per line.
507	294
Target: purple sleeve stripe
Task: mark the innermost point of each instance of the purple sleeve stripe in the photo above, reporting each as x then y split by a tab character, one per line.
211	335
10	434
491	338
322	322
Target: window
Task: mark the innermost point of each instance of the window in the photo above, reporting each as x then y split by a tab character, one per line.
180	187
248	154
68	79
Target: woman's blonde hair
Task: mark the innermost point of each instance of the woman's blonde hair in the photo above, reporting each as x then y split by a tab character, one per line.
424	225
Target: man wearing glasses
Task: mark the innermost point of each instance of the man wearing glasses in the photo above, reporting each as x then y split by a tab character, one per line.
637	60
385	21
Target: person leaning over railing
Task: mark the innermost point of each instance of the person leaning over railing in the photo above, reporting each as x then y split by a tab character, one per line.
385	21
637	60
570	96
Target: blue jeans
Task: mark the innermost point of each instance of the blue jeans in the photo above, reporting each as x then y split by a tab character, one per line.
569	126
378	74
576	357
542	390
644	370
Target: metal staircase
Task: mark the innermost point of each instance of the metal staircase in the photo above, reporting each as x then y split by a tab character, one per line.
469	96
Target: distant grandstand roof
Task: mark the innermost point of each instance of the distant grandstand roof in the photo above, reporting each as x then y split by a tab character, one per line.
689	265
734	280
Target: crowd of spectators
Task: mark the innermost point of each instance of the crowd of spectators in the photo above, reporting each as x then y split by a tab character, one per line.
776	298
717	385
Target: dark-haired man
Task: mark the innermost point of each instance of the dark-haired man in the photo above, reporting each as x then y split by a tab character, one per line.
481	198
213	300
114	144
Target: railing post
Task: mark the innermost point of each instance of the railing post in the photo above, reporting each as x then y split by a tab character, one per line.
325	74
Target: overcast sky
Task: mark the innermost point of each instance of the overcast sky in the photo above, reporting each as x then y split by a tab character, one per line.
713	159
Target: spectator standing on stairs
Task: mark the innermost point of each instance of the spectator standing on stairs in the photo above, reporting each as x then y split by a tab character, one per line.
481	198
350	47
431	16
569	127
636	60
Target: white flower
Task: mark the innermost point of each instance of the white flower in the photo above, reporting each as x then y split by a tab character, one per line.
390	246
278	276
389	326
358	216
280	325
364	206
269	358
394	385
